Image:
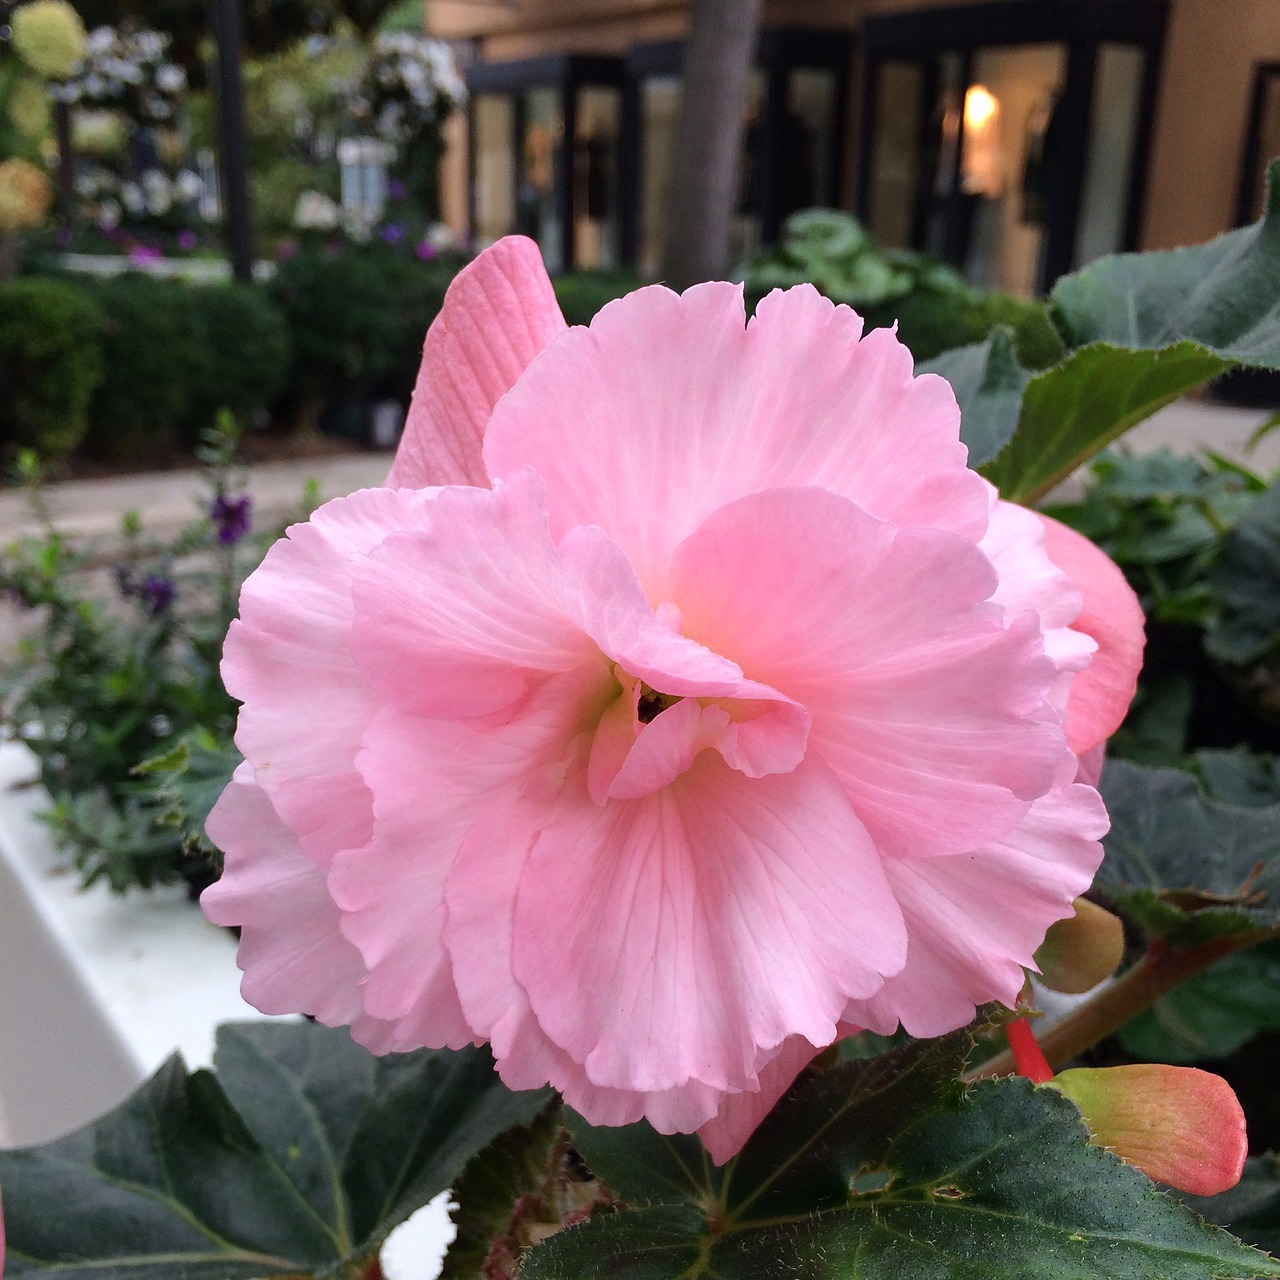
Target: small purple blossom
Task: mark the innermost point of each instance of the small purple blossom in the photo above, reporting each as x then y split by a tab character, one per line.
426	250
187	240
62	237
285	250
142	254
393	232
230	517
156	592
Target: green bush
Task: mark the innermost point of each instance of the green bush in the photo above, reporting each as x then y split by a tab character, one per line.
933	305
357	315
50	364
246	353
154	356
176	353
582	293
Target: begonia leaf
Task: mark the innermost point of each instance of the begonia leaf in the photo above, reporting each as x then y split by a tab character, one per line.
1092	398
1251	1209
296	1158
996	1184
988	382
1212	1014
515	1164
1224	295
1187	867
1246	582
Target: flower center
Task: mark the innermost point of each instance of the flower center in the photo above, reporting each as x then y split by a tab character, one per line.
651	704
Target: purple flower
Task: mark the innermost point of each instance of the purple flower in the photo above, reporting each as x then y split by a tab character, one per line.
393	232
156	592
187	240
142	254
426	250
285	250
230	517
63	237
396	189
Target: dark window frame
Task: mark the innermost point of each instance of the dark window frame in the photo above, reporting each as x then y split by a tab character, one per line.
1252	161
1083	28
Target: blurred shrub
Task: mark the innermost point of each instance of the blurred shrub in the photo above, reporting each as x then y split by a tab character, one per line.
50	364
582	293
357	315
175	354
934	307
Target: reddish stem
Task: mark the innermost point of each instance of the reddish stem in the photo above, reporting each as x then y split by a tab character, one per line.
1028	1057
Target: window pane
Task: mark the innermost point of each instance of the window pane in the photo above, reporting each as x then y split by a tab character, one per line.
597	129
541	158
1113	133
808	160
1006	156
659	107
495	191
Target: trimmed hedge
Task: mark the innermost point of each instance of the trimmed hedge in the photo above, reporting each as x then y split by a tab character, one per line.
50	364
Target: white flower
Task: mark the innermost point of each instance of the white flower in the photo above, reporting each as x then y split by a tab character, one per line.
133	198
315	211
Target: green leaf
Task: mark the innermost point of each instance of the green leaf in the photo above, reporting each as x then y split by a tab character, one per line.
1078	407
515	1164
1213	1014
988	382
296	1158
1187	867
1251	1208
1246	580
996	1184
1224	295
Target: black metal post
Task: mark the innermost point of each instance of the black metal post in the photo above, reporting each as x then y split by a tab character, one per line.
234	178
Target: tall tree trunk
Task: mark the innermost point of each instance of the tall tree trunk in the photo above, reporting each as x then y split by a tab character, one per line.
704	180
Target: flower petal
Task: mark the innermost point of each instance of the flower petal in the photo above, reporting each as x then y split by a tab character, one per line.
289	659
923	702
974	920
672	938
498	314
292	952
668	407
1100	695
456	617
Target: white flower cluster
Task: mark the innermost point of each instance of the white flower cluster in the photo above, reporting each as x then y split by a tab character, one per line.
130	71
411	85
107	197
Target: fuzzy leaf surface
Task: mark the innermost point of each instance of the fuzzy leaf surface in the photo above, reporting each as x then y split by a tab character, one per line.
295	1159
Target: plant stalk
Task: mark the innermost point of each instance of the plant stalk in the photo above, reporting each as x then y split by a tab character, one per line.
1161	970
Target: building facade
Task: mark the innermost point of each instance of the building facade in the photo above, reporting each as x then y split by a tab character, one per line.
1018	139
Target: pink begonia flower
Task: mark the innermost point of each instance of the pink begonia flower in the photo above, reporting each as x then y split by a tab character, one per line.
682	703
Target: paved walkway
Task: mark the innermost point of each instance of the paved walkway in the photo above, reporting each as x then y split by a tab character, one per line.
168	500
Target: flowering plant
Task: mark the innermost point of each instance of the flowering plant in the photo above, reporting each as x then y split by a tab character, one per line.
129	71
409	88
687	726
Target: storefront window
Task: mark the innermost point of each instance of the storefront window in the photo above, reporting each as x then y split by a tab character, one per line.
659	112
808	177
541	155
1104	204
596	177
494	167
1009	132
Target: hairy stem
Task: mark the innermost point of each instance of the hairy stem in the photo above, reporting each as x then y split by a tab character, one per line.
1161	970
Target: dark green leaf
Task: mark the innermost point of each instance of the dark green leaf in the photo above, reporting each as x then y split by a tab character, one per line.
1078	407
1246	580
1224	295
296	1159
1251	1208
1214	1013
998	1184
1186	866
515	1164
988	382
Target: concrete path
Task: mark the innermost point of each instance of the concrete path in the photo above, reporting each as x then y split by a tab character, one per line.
168	500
